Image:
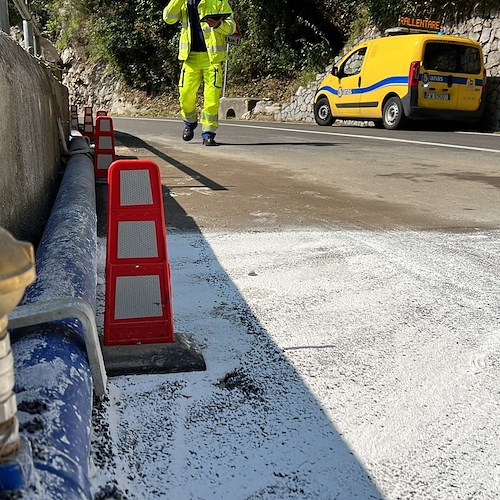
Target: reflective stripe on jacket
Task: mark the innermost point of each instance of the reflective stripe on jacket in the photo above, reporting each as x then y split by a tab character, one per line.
215	39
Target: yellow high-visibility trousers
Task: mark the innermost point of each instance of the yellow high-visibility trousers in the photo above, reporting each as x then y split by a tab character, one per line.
195	69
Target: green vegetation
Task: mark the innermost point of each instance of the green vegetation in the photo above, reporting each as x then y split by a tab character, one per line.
281	39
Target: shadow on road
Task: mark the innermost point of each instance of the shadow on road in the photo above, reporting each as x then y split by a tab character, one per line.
132	141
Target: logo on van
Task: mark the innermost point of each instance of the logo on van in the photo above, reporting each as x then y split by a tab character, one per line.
436	78
426	78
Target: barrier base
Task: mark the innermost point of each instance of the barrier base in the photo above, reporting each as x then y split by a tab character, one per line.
182	355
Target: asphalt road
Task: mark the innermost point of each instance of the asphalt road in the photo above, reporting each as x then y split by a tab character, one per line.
343	285
270	176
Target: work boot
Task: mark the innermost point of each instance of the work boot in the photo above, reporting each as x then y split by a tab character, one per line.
188	133
209	141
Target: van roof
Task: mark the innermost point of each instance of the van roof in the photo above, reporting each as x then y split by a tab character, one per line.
403	30
429	36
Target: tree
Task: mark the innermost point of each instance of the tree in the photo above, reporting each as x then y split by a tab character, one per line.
281	38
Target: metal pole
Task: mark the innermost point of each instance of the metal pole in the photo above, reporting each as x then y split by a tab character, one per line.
225	74
4	17
36	45
27	35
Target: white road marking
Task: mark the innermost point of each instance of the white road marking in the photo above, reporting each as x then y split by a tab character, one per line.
339	134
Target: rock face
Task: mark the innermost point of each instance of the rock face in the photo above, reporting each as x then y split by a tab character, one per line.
92	84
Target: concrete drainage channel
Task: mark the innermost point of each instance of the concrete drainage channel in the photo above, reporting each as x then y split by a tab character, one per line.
51	333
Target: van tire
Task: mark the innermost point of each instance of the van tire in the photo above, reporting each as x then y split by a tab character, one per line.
393	115
323	113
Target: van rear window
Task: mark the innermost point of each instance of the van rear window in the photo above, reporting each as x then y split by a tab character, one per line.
452	58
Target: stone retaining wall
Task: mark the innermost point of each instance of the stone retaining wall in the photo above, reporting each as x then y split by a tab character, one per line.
484	28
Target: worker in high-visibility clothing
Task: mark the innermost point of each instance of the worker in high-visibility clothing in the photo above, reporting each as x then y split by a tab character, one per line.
202	48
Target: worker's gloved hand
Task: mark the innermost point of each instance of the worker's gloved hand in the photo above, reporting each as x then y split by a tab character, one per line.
213	23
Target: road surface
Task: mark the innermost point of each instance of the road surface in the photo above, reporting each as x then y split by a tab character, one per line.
343	284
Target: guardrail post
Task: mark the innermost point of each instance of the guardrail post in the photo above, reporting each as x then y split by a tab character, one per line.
28	36
36	45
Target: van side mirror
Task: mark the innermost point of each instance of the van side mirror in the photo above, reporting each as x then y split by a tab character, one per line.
335	71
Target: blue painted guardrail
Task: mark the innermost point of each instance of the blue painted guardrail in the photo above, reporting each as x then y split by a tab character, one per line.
53	381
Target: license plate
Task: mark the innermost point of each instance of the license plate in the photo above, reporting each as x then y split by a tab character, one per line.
441	96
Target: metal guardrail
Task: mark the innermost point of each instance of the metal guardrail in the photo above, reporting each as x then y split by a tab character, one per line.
63	308
34	41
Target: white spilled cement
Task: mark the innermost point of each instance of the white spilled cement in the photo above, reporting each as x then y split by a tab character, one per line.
340	364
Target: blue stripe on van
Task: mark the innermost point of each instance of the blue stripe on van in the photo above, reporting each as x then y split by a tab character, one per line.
458	80
463	81
393	80
455	80
327	88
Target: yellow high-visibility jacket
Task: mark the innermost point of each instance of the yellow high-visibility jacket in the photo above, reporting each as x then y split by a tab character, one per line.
215	39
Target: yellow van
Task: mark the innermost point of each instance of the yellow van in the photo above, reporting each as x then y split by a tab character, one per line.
405	75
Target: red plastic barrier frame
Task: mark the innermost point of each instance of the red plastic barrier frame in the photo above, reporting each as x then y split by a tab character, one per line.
88	122
74	117
99	172
157	329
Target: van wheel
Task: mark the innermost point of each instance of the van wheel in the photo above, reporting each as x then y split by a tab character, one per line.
393	115
322	112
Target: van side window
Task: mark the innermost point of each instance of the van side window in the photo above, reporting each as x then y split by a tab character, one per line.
352	65
452	58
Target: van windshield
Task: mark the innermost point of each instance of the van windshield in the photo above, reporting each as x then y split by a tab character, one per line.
452	58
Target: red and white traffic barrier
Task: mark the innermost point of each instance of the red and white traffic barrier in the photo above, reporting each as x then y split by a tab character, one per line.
138	298
74	117
104	146
88	122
